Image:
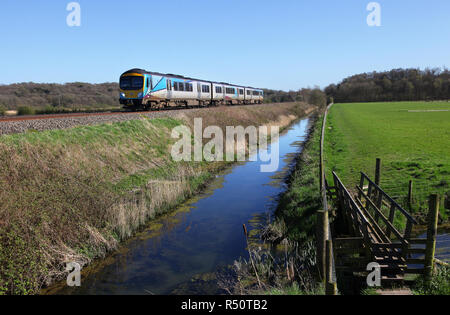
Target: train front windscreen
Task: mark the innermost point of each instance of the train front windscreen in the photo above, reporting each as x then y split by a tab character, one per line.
131	83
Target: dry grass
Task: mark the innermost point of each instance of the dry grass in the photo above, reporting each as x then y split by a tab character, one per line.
73	195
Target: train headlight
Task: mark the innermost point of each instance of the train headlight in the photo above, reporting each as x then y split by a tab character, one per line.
140	95
122	95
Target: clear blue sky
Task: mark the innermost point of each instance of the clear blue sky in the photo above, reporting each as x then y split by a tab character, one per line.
285	44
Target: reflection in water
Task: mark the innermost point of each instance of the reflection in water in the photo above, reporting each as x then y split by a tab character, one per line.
186	247
442	245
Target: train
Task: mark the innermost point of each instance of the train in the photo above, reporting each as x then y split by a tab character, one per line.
141	89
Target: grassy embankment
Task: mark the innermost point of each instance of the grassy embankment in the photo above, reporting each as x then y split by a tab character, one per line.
297	206
412	141
73	195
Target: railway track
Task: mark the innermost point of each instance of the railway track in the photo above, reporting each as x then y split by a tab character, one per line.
109	113
68	115
20	124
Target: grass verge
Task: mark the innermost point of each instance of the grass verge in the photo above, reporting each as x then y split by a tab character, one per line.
438	285
298	205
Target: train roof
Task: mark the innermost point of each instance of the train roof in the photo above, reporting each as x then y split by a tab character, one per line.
142	71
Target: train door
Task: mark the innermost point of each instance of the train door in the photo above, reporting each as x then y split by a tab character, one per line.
211	91
169	89
147	86
199	91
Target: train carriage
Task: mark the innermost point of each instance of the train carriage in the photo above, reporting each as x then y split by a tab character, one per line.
148	90
218	93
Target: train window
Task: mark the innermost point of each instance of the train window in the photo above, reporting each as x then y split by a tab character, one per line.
131	83
241	92
248	92
218	90
205	88
178	86
230	91
189	87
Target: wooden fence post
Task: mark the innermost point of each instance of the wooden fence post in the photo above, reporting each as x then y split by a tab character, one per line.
410	194
378	172
329	261
433	216
330	286
321	170
322	222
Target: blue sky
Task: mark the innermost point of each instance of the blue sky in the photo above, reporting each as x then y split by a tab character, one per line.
285	44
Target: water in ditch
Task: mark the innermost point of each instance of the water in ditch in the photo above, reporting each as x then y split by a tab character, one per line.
180	252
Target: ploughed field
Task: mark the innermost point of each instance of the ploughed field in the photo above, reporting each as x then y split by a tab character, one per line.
411	138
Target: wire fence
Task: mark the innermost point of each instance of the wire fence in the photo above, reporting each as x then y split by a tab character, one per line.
414	194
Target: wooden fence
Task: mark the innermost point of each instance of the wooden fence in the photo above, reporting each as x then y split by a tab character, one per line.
325	252
381	229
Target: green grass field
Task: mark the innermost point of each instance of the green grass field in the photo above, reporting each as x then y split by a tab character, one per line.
411	138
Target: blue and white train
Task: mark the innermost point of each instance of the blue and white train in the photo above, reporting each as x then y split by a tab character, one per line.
140	89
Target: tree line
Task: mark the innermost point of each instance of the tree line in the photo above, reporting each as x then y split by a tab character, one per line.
394	85
313	96
54	97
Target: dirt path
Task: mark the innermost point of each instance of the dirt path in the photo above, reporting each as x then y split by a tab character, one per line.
402	291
